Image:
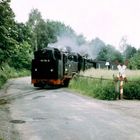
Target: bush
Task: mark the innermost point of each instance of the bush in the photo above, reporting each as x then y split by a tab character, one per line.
97	88
3	79
7	72
105	89
132	90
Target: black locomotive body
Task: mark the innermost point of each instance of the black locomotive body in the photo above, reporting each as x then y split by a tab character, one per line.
51	66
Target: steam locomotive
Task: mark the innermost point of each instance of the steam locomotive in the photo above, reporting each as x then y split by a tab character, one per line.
52	66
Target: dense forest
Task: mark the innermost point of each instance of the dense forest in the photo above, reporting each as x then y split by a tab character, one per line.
18	41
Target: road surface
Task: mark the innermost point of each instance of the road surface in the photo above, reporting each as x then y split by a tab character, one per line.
60	114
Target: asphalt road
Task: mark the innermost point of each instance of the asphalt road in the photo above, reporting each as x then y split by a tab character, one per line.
60	114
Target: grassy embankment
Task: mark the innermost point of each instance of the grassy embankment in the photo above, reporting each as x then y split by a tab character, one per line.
102	85
7	72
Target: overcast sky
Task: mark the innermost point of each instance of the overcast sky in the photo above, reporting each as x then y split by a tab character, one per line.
109	20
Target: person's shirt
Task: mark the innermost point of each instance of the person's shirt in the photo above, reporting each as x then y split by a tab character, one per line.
121	69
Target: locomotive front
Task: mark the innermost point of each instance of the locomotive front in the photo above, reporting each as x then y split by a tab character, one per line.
47	67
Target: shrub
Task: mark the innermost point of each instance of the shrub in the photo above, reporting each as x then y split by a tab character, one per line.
101	89
7	72
132	89
105	89
3	79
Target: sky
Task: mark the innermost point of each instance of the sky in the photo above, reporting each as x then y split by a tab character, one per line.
109	20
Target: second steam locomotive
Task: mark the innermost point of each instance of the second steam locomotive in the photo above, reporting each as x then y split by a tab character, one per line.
51	66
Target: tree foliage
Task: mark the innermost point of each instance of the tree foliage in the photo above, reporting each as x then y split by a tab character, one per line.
7	23
109	53
42	33
134	62
96	45
22	57
22	33
34	22
18	41
129	52
60	29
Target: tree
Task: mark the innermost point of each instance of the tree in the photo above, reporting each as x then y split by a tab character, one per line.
33	23
109	53
60	29
22	33
42	33
22	57
23	51
57	30
102	55
129	52
7	23
46	32
96	45
134	62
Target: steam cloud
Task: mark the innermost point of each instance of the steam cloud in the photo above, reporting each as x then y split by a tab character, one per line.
70	44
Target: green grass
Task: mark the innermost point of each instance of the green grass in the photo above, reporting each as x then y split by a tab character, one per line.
108	74
105	89
96	88
7	72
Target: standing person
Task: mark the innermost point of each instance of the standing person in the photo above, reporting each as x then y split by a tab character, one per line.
122	68
121	76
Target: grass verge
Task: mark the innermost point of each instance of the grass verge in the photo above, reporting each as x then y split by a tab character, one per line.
96	88
7	72
132	89
105	89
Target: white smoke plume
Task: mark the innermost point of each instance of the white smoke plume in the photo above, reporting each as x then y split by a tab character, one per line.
67	43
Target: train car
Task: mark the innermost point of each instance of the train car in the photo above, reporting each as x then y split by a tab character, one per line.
89	63
51	66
